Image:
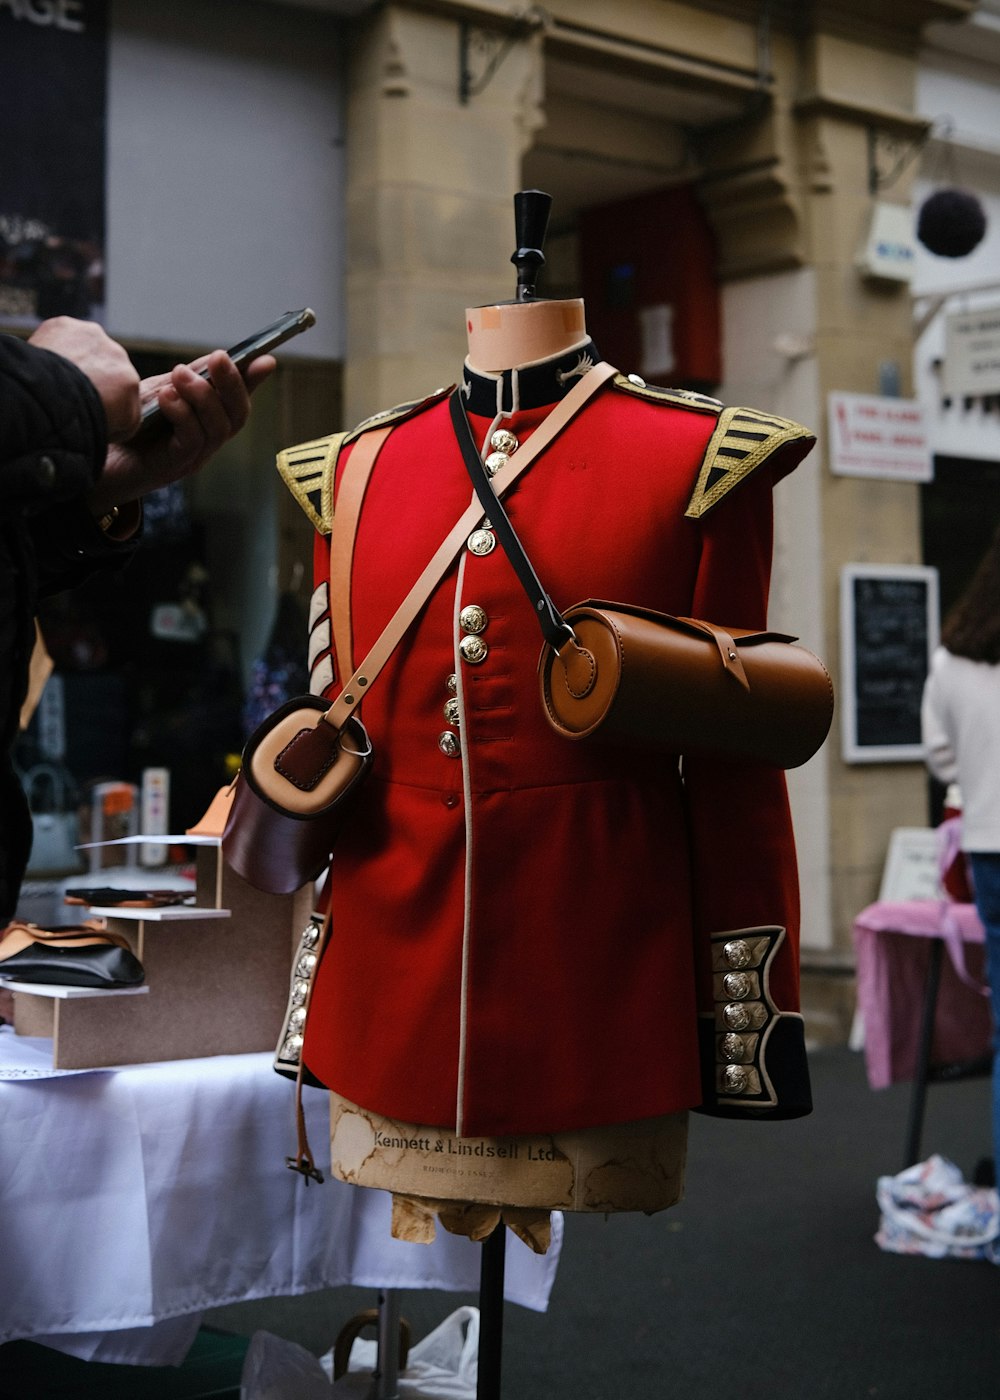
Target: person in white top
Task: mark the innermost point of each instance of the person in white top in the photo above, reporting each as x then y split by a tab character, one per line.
961	733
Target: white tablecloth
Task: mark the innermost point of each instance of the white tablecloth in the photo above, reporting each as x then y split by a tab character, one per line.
135	1198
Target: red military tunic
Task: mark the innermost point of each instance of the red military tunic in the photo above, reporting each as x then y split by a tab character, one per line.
524	929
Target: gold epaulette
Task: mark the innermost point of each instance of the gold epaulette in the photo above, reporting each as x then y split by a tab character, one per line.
309	469
743	439
675	398
390	416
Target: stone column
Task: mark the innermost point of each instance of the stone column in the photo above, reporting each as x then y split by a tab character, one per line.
431	180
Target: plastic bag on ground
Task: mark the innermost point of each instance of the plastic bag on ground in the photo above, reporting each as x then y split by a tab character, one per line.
442	1366
276	1369
930	1209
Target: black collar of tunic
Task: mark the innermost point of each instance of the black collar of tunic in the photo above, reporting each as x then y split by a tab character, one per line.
526	386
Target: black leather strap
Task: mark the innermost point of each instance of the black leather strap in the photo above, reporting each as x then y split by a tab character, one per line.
555	629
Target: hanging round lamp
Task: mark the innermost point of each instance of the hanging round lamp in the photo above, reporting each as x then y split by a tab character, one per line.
951	223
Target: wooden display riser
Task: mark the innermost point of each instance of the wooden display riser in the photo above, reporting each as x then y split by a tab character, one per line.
217	979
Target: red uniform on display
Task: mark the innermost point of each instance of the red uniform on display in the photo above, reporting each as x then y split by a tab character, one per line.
525	929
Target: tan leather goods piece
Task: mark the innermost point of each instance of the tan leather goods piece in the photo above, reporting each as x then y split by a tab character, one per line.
298	778
79	955
216	814
640	678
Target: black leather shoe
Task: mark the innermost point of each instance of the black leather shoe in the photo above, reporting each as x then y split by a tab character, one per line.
72	957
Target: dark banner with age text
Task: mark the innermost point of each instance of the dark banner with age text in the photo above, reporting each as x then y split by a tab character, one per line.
53	91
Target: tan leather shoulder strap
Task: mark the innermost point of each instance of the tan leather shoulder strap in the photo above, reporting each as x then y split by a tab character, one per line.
347	512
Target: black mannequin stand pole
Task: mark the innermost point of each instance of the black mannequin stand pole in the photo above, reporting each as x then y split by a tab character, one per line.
386	1377
491	1277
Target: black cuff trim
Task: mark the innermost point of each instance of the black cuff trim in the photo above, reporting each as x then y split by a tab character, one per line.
787	1067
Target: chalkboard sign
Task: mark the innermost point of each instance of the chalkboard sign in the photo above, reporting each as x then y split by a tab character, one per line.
888	630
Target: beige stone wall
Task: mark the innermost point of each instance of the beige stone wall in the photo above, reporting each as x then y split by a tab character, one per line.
430	184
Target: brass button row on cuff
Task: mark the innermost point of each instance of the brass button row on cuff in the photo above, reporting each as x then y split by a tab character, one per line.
736	1014
743	1014
304	968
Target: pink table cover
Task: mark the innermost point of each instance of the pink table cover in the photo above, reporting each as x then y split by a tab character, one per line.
892	939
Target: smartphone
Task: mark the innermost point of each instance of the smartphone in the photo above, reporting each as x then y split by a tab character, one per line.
292	323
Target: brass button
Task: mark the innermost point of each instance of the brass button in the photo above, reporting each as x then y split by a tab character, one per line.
503	440
637	380
452	713
737	952
495	461
737	984
473	618
732	1047
482	542
448	744
473	650
735	1079
451	684
736	1015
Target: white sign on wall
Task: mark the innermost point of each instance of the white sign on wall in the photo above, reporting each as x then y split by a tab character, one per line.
972	353
889	251
878	437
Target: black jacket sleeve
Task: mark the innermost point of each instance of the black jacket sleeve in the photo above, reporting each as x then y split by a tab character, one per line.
53	433
53	441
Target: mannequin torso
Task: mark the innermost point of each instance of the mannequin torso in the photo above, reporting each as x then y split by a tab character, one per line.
623	1167
525	930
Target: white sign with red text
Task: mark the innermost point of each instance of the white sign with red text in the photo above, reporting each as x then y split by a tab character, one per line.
879	437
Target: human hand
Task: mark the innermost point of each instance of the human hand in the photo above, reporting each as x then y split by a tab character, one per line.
105	364
202	414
